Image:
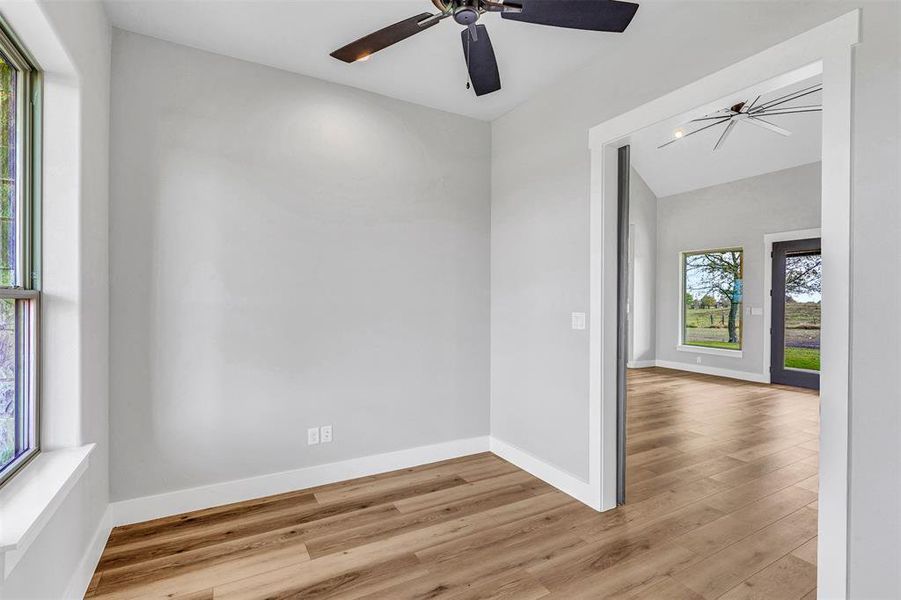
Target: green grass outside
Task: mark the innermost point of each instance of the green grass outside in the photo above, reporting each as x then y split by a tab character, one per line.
802	358
724	345
708	328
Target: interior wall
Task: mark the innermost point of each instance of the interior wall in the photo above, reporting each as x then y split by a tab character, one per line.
540	211
540	250
643	272
875	446
287	253
71	42
735	214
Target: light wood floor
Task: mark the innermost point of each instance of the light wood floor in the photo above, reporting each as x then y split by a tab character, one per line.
721	504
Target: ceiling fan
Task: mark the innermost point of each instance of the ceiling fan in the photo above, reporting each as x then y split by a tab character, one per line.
751	114
593	15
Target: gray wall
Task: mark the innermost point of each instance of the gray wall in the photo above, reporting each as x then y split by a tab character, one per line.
287	253
643	270
540	250
875	443
540	209
736	214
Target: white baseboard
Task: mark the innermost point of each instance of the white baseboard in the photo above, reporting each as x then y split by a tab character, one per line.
641	364
172	503
565	482
81	578
704	369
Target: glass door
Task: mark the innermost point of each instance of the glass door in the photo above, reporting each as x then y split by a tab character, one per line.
795	329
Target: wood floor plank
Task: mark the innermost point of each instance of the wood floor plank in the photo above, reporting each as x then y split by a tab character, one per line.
721	502
807	551
668	589
628	578
789	578
611	549
720	572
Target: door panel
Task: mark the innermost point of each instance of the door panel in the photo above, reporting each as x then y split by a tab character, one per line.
795	327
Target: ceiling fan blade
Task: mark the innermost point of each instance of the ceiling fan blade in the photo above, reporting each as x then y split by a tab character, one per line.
381	39
788	110
767	125
501	6
726	132
480	60
593	15
789	97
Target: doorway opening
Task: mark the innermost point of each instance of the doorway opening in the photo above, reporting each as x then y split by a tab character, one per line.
702	420
823	50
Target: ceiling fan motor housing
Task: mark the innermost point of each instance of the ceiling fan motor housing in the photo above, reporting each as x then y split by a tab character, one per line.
466	12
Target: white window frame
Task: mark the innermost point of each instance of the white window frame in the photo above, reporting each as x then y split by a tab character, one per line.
681	346
26	291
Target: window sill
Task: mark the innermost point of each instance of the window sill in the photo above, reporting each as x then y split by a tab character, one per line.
29	499
714	351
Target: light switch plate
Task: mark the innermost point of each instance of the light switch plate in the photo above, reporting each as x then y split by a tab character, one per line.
578	320
325	434
312	436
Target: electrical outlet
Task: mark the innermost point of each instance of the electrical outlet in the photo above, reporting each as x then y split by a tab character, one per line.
325	434
699	360
312	436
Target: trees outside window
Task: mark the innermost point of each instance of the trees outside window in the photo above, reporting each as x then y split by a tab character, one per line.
19	296
711	311
803	295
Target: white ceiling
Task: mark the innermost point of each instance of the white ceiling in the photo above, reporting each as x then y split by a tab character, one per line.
427	69
691	162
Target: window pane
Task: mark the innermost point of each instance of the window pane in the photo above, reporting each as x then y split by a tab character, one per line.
11	417
8	159
711	311
802	311
18	316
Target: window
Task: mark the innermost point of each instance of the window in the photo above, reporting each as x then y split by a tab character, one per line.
712	296
19	296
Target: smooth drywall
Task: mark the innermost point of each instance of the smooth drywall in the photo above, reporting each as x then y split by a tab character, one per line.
71	43
875	443
642	272
540	210
287	253
540	250
731	215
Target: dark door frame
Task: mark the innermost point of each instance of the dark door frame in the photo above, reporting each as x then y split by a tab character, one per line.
778	372
622	329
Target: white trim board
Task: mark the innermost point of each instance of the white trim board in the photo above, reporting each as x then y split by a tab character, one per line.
718	372
29	501
81	578
826	49
768	241
145	508
641	364
562	480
